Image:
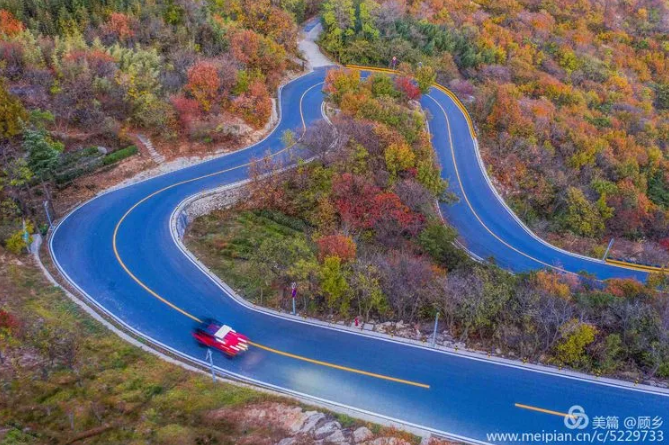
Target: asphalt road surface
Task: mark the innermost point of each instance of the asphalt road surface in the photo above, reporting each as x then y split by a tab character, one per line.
119	251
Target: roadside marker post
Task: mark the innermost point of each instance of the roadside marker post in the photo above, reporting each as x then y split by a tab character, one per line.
606	254
48	215
26	236
434	333
210	359
294	294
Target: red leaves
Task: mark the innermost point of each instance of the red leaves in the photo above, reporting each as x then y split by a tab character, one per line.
665	243
337	245
245	46
353	195
259	52
9	25
364	206
388	206
408	88
188	110
8	321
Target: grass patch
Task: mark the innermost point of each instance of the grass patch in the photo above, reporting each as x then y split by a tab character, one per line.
119	155
226	241
63	374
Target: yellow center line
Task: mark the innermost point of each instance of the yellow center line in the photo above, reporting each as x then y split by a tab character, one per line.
118	225
342	368
194	318
460	105
455	164
542	410
464	195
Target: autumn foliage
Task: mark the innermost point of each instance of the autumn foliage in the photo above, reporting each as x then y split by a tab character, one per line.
8	321
255	105
338	245
120	25
260	53
203	84
9	25
362	205
188	110
407	87
571	99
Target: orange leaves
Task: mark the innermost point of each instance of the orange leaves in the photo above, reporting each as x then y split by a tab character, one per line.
505	114
9	25
351	102
338	245
625	288
259	53
553	284
203	83
262	17
245	46
120	25
255	106
555	90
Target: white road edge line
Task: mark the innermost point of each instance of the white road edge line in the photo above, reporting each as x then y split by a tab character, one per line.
192	359
501	200
230	292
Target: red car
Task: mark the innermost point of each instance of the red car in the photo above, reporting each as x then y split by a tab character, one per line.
217	335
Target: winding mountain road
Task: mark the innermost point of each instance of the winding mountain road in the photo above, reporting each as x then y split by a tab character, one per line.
118	250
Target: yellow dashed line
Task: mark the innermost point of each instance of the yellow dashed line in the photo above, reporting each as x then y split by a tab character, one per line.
542	410
342	368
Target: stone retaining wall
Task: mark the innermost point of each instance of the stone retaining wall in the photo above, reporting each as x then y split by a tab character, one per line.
203	204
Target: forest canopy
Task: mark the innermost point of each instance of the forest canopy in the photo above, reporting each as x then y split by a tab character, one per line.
571	97
79	78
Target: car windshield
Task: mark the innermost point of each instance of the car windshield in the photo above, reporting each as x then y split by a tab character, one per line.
212	328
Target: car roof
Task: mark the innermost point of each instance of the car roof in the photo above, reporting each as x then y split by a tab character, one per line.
223	331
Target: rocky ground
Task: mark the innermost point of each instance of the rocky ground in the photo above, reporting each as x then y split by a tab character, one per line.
302	427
